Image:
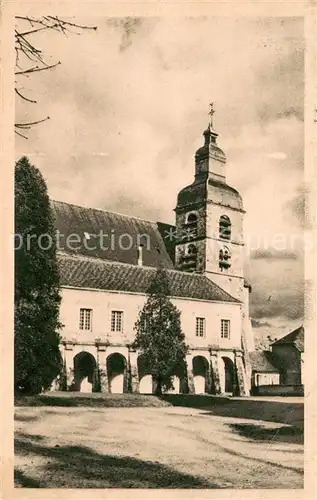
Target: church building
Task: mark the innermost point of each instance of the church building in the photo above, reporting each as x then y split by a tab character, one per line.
107	261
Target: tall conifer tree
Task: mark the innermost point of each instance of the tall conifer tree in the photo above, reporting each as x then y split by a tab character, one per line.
37	293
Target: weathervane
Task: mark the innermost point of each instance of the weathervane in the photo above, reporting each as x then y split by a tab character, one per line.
211	113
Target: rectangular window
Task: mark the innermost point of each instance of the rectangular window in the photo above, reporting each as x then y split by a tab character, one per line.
85	319
200	327
225	328
116	321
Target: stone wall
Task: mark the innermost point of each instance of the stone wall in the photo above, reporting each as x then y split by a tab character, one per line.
279	390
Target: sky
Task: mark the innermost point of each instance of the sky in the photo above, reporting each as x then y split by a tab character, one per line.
128	105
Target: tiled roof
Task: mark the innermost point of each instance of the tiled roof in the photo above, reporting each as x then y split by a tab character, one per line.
165	230
296	338
87	224
263	361
83	272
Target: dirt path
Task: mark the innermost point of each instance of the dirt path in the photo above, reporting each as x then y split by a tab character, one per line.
153	448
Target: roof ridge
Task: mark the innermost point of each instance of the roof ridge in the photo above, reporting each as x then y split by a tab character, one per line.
86	257
109	212
102	261
150	268
215	284
289	337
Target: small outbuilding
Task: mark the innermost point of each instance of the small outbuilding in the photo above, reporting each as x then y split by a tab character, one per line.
289	352
264	369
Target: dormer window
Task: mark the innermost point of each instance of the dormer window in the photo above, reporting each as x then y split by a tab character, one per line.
224	227
224	258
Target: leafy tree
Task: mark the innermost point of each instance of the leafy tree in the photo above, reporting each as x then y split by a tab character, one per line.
159	336
37	296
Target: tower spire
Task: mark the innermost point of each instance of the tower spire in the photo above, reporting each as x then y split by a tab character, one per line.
211	114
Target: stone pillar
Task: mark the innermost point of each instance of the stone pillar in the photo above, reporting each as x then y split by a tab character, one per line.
102	368
190	374
103	379
214	367
69	365
242	386
154	385
133	371
208	384
126	373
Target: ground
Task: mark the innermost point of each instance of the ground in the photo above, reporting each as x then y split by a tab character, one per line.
160	447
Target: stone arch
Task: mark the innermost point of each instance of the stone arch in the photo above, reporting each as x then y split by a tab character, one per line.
146	385
179	379
117	373
191	224
191	218
201	374
85	372
225	227
145	378
224	258
191	249
227	374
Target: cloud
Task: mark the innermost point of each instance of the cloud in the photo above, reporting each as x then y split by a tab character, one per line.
278	155
295	209
257	324
277	289
290	307
128	27
274	254
298	112
128	106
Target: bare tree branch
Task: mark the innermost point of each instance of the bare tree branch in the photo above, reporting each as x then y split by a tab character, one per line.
29	124
36	68
68	23
25	50
21	135
23	96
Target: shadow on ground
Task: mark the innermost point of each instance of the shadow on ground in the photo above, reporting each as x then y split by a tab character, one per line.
271	411
25	418
92	400
82	467
286	434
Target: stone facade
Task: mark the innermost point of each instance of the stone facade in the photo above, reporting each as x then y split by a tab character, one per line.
205	268
111	364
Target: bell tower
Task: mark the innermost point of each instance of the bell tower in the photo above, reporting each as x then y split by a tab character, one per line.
209	220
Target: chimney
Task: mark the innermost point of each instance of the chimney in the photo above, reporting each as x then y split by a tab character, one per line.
140	255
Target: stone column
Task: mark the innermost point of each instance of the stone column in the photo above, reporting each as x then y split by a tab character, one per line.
133	371
103	379
242	386
208	383
102	368
190	374
214	367
69	365
154	385
126	373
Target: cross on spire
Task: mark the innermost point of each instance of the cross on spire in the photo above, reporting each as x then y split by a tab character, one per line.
211	114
